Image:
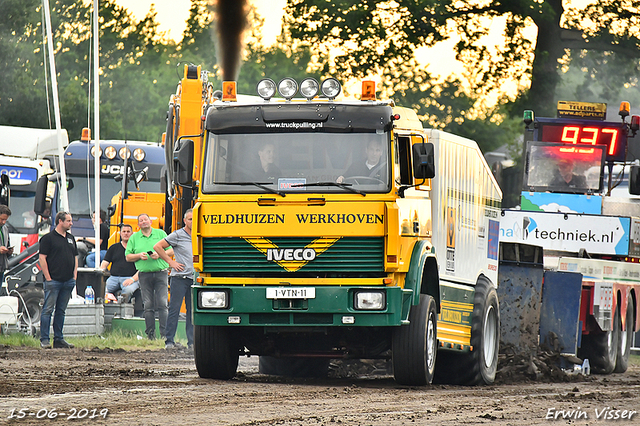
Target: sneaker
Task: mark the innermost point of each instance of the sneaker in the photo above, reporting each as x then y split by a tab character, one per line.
170	346
45	345
62	344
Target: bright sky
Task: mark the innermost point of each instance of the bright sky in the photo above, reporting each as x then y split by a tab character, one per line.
173	14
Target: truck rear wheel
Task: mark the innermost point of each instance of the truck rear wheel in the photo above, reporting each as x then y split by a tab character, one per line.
626	336
414	346
215	351
601	348
478	366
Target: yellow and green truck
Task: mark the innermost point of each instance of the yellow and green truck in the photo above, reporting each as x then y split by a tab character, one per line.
332	228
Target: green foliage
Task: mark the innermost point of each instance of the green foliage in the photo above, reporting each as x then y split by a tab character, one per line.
376	34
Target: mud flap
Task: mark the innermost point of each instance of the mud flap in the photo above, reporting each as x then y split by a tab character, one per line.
520	294
560	312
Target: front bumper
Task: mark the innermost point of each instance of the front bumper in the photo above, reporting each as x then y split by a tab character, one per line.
332	306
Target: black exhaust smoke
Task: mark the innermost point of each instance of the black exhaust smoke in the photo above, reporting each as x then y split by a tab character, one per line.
231	20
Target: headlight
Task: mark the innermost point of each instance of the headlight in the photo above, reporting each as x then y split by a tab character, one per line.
309	88
331	88
288	88
370	300
139	154
110	152
266	88
213	299
124	152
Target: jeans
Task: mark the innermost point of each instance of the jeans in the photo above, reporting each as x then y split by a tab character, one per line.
115	284
180	289
90	260
154	289
56	295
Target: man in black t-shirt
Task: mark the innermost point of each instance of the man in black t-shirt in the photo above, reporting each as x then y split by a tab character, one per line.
59	265
124	275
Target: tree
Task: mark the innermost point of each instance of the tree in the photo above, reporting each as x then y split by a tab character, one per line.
374	33
132	62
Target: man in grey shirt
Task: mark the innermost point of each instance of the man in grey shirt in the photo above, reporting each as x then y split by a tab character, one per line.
181	277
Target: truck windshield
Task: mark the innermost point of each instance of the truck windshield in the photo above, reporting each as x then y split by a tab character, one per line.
81	194
297	162
564	168
23	217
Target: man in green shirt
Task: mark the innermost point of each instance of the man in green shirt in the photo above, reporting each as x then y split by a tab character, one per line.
152	274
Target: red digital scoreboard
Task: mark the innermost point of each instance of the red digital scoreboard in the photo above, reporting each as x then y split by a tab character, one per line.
612	135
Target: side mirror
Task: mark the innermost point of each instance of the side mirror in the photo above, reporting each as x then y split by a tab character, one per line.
423	161
634	180
164	176
40	201
4	189
183	162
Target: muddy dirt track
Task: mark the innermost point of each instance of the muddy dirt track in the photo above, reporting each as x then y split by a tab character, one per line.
163	388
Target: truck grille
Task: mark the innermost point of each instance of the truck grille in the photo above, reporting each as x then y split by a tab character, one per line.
344	257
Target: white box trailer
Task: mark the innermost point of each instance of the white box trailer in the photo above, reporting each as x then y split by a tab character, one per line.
467	199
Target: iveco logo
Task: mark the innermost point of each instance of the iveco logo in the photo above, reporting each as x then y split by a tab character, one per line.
278	254
291	259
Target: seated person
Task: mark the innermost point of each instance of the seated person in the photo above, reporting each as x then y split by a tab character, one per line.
373	166
90	260
124	276
565	178
268	171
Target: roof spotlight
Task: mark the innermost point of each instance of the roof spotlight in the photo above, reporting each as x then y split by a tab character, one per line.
139	154
124	152
309	88
266	88
110	152
93	151
287	88
331	88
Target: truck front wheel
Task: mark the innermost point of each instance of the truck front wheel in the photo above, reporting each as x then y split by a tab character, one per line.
624	346
215	351
414	345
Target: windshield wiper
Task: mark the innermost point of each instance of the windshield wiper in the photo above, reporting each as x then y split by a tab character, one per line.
346	186
257	184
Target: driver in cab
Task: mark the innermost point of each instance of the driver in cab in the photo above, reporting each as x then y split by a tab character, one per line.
372	167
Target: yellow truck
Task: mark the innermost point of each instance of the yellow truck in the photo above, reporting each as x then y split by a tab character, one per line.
332	228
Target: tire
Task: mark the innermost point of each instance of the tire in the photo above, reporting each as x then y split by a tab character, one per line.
215	351
294	367
624	343
601	348
33	301
479	366
414	346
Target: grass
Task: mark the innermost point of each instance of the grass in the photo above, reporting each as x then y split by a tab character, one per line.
634	359
110	339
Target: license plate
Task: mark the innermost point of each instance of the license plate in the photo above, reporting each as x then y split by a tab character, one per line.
291	293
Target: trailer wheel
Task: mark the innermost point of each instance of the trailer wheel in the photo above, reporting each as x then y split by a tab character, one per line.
479	365
601	348
306	367
33	301
215	351
414	346
626	336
